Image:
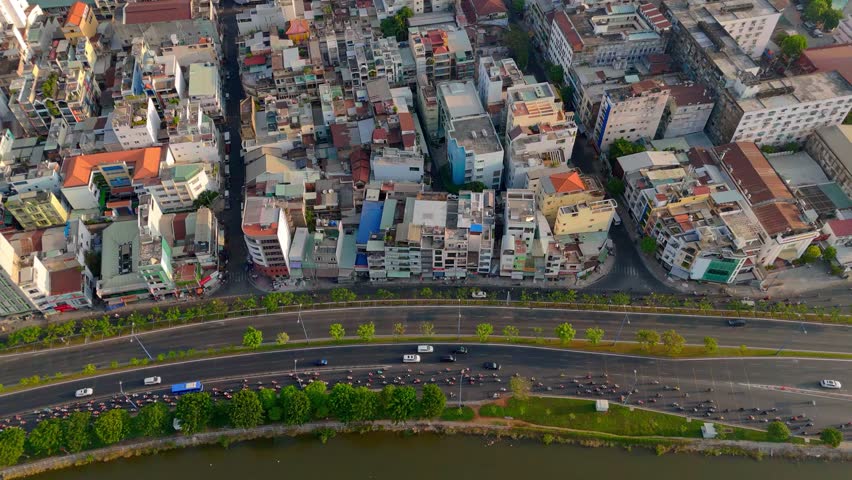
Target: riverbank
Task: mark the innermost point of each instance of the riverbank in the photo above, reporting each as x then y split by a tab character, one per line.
500	429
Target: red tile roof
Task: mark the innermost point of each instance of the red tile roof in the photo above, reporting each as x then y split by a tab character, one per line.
841	228
488	7
157	11
255	60
77	170
65	281
779	218
752	172
75	16
298	26
567	182
359	164
690	94
406	122
568	30
826	59
408	140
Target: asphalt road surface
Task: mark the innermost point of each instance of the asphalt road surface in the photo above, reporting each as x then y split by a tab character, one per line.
788	385
217	334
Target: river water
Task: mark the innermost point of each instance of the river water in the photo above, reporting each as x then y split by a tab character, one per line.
386	456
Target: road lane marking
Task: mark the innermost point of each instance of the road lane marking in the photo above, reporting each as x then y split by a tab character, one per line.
805	391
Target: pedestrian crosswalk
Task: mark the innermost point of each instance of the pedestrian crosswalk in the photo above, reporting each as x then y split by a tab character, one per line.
622	270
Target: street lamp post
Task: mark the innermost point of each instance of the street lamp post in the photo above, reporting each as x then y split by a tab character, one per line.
308	340
295	362
461	382
458	327
618	335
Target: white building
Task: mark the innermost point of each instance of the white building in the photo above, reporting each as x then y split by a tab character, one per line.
784	110
136	123
474	152
179	186
519	222
14	12
539	133
394	165
750	23
267	236
262	18
687	112
495	77
843	32
631	112
205	88
193	136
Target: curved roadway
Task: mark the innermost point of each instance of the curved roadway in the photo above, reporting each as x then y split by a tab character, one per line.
217	334
790	385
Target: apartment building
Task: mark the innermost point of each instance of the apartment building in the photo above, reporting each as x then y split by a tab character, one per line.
476	214
163	81
177	187
631	112
776	112
564	189
495	77
267	236
121	281
90	181
193	136
539	133
392	7
395	165
377	58
687	111
473	150
80	22
540	15
295	74
619	35
587	216
830	147
442	53
39	96
33	210
205	89
136	123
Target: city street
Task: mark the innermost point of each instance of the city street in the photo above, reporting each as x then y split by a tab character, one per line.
446	321
763	388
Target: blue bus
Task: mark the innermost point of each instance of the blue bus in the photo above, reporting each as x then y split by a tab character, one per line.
190	387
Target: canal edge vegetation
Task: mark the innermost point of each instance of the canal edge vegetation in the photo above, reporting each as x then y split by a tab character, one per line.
647	343
73	332
292	412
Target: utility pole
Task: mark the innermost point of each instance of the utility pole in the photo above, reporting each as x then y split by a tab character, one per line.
626	319
299	321
458	327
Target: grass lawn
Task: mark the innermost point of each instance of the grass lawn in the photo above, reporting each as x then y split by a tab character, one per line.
619	420
455	414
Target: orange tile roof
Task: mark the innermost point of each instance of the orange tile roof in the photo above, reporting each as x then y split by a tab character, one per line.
567	182
75	16
298	26
78	170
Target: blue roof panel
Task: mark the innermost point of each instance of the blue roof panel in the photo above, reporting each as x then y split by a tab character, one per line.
371	219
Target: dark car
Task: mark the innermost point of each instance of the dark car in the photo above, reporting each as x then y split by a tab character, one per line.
736	322
322	362
491	366
448	358
460	350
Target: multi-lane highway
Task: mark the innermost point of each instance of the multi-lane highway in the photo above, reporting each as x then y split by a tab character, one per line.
788	385
447	321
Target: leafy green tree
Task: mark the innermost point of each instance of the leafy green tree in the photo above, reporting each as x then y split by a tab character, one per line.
194	411
615	186
205	199
520	388
268	398
594	335
173	314
517	7
426	292
399	329
282	338
270	302
793	45
112	426
76	432
427	329
252	338
710	345
831	19
829	254
340	402
296	404
518	41
246	410
673	342
777	432
647	339
433	401
555	73
648	245
366	331
483	331
620	298
343	295
815	9
319	400
811	254
152	420
11	445
565	332
621	147
89	369
365	405
337	331
402	404
46	438
743	350
511	332
385	294
220	415
831	436
56	331
25	335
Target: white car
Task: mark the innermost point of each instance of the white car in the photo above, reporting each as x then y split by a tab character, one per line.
410	358
152	381
425	349
84	392
834	384
479	294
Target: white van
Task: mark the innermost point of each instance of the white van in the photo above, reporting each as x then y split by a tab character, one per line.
411	358
152	381
425	349
87	392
